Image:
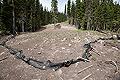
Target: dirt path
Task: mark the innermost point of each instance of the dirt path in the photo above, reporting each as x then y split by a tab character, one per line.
59	45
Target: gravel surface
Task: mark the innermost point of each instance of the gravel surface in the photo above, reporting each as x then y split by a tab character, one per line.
59	45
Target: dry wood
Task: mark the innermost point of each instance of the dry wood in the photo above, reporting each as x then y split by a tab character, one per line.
85	69
96	52
4	58
86	77
114	63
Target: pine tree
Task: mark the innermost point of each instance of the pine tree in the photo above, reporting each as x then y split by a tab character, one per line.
72	13
69	10
37	13
1	16
65	10
54	10
7	15
80	12
41	14
88	13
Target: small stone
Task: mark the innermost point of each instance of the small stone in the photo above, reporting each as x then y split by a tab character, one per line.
63	48
36	45
39	52
76	64
72	41
101	41
101	52
70	45
63	39
2	53
59	72
114	36
115	48
44	67
91	79
75	37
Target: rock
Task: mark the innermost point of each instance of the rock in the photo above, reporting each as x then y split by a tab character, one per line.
59	72
76	64
115	48
39	52
63	48
70	45
57	26
63	39
115	37
101	41
2	53
75	37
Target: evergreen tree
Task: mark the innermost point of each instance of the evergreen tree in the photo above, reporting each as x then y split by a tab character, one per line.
7	15
37	13
65	10
88	13
72	13
1	15
54	10
80	11
69	10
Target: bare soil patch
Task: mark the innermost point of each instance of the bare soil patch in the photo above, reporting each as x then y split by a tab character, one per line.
59	45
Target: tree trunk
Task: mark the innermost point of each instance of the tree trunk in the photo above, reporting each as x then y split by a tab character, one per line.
14	31
88	12
23	28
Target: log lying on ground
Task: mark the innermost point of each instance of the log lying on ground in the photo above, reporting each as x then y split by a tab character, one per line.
89	48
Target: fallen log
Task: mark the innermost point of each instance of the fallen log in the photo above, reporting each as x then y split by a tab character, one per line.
89	48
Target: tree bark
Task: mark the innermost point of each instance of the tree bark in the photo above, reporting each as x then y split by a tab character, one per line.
14	31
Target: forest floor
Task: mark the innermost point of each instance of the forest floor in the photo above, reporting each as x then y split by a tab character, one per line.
59	45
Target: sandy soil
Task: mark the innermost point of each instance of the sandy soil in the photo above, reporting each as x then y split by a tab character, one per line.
59	45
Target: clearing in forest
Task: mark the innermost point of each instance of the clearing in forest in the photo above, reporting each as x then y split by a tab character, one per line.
59	45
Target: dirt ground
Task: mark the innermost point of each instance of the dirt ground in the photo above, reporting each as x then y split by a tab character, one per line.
59	45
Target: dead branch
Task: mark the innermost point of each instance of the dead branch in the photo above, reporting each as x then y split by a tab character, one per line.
4	58
95	52
87	77
113	63
7	39
85	69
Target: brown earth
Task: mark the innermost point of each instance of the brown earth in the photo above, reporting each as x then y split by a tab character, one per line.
59	45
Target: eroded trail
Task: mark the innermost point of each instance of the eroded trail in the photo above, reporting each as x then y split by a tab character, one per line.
59	45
